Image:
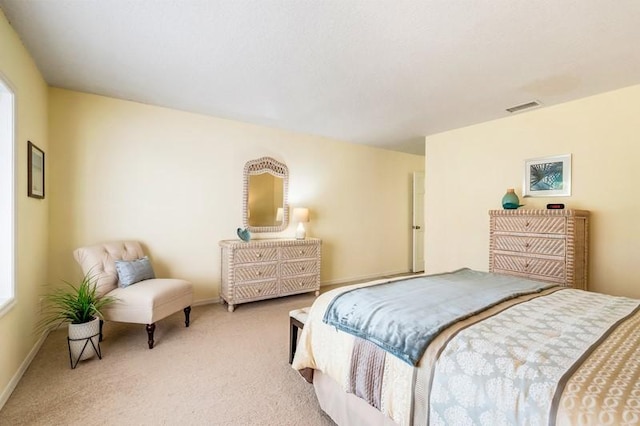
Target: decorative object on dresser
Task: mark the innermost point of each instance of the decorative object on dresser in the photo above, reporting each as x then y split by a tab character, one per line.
556	206
264	201
301	215
546	245
510	200
269	268
244	234
547	177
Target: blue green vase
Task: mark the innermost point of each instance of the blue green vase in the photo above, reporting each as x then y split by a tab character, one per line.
510	200
244	234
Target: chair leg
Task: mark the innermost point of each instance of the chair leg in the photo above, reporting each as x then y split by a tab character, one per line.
187	311
101	324
150	329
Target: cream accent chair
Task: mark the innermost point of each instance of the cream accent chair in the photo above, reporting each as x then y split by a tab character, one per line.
144	302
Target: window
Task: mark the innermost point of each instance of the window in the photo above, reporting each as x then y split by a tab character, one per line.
7	197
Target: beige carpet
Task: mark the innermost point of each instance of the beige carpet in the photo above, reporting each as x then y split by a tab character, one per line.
225	369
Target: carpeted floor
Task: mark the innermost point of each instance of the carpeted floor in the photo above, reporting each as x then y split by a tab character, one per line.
225	369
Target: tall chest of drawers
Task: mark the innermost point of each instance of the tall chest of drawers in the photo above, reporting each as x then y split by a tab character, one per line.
264	269
546	245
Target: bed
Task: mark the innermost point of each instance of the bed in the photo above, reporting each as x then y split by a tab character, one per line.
517	351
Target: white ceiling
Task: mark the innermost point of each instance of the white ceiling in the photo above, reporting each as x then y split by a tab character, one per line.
378	72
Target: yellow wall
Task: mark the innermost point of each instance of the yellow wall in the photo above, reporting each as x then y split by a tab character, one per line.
468	171
17	338
173	180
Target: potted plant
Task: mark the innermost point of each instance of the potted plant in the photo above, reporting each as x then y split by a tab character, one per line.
80	306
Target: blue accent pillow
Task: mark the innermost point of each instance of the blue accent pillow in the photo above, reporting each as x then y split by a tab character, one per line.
131	272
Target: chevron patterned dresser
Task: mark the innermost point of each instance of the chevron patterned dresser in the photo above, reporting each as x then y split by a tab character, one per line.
264	269
546	245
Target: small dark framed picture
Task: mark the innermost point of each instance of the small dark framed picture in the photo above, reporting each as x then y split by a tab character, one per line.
35	165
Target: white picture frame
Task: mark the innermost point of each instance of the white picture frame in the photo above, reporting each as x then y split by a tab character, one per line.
547	176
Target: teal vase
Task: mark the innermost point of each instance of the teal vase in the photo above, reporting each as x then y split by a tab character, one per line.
244	234
510	200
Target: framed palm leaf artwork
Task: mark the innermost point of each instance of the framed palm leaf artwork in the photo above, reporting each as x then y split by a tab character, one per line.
547	176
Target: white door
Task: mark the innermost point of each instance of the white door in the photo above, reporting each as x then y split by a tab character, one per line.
418	222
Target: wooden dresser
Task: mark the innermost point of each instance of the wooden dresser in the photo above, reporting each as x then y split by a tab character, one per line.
546	245
264	269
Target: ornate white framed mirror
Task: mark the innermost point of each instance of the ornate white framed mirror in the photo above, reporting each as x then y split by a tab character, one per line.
264	206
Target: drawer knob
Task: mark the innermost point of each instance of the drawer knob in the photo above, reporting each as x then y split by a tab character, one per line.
259	290
526	224
527	245
301	284
259	273
302	268
259	255
526	265
301	252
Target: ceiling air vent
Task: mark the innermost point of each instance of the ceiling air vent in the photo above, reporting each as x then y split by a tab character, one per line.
528	105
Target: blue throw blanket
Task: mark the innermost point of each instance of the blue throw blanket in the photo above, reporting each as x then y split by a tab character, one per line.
403	317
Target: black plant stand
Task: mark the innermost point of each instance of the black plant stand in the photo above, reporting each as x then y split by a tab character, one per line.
87	341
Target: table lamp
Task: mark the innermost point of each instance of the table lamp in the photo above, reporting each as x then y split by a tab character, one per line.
300	215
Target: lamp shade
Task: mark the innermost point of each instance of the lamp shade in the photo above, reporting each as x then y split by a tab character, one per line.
300	214
279	214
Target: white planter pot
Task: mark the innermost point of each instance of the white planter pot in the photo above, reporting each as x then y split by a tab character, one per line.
84	331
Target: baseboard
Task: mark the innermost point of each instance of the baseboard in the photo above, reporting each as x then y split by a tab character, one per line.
206	301
6	393
367	277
